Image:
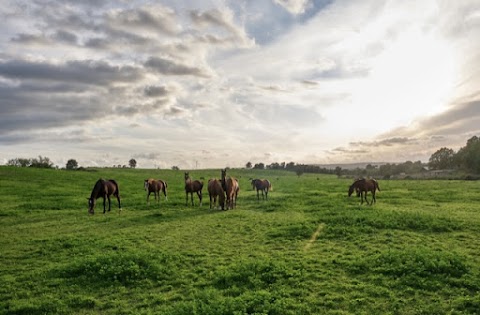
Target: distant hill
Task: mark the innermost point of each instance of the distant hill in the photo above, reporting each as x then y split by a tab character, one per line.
350	166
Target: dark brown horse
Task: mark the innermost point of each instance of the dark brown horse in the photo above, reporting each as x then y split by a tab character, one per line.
155	186
231	187
262	185
104	189
215	191
364	186
192	186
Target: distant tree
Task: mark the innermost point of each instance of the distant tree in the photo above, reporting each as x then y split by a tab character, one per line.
259	166
299	171
19	162
248	165
175	168
132	163
468	157
72	164
338	171
290	165
442	159
41	162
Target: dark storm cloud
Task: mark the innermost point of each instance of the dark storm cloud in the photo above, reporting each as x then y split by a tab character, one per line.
169	67
85	72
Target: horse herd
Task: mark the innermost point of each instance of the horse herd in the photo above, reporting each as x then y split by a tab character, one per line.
223	192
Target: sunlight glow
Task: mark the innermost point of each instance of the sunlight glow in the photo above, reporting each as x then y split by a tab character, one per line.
412	78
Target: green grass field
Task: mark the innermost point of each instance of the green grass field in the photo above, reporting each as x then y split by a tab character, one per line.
309	249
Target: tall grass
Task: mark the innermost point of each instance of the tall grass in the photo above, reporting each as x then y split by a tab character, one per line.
309	249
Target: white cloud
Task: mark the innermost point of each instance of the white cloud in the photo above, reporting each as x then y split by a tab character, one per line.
322	82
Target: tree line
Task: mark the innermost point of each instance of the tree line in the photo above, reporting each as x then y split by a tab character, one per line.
467	159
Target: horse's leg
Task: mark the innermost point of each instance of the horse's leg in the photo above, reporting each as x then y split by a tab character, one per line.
109	203
148	198
266	194
104	204
165	192
119	203
191	197
374	200
366	200
186	198
199	193
258	195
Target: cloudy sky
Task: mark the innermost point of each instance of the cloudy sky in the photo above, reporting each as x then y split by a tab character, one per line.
210	84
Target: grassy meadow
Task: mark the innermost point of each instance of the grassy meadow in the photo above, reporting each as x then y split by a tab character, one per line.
309	249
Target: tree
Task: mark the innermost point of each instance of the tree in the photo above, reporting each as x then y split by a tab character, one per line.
19	162
132	163
338	171
248	165
468	157
72	164
41	162
442	159
259	166
175	168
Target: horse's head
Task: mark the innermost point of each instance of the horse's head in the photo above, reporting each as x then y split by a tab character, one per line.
186	176
351	189
146	184
224	173
91	205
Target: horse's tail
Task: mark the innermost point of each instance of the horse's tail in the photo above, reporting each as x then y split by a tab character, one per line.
376	185
117	191
269	185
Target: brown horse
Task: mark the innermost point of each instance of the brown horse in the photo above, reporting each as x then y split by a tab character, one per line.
103	188
155	186
231	187
364	186
215	191
262	185
192	186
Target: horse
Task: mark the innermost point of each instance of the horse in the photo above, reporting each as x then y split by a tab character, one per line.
364	185
231	187
104	188
262	185
155	186
192	186
215	191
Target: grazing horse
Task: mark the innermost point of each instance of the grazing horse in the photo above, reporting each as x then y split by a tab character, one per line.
155	186
103	188
192	186
231	187
262	185
215	191
364	186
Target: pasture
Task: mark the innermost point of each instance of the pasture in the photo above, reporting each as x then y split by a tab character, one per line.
309	249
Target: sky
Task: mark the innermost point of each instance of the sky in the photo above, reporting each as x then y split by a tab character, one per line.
210	84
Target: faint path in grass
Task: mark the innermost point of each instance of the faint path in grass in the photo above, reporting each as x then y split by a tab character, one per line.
314	236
